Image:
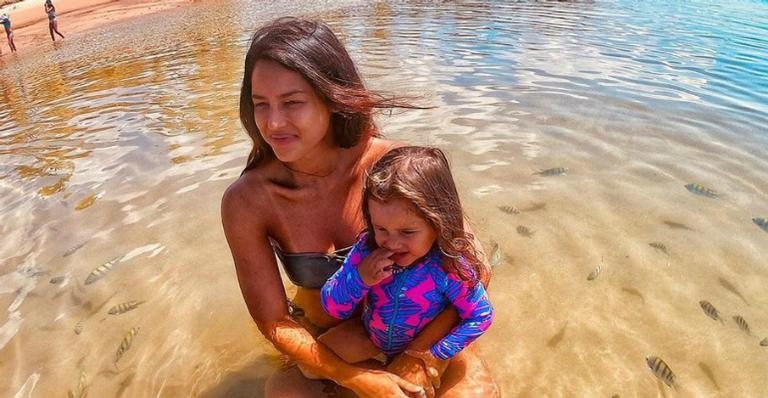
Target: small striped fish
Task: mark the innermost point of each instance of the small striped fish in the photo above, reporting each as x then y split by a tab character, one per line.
509	209
743	325
661	370
701	190
556	171
125	345
56	280
122	308
660	247
523	230
82	387
79	327
761	222
593	275
495	257
710	310
764	343
73	249
596	272
102	270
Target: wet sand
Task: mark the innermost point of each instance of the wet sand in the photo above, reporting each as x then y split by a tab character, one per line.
76	17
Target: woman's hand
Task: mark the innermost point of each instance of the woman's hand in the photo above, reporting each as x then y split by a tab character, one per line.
381	384
376	267
413	370
434	367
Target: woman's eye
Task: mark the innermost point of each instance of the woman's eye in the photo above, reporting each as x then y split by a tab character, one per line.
260	105
409	232
293	102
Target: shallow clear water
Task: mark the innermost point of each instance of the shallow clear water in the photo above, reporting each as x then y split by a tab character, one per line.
119	143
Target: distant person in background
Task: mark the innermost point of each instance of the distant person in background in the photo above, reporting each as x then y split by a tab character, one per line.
6	21
53	24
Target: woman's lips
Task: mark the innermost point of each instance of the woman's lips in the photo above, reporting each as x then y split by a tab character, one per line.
282	139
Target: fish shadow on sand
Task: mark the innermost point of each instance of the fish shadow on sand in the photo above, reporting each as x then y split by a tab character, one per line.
557	338
731	288
124	385
710	375
633	292
535	207
677	225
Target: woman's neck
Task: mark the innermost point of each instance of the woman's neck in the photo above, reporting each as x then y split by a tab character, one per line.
319	163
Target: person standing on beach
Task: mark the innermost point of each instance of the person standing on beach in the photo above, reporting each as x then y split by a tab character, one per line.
53	24
6	21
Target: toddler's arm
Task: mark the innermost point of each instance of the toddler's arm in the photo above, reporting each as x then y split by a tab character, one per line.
345	289
475	311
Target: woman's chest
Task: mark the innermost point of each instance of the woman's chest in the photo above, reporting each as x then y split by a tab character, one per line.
319	221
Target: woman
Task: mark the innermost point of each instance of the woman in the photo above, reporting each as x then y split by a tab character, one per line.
310	118
5	20
53	24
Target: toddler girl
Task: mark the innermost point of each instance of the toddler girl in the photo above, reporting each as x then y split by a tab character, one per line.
414	259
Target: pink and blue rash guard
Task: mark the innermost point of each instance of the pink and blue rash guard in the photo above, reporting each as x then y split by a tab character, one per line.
398	308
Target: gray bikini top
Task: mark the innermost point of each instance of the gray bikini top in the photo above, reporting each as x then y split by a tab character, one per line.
311	269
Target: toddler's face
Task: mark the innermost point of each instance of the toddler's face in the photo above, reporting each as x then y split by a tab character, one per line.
399	229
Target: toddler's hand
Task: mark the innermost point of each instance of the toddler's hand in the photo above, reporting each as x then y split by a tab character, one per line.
375	268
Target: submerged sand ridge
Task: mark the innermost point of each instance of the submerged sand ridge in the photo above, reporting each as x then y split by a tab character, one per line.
119	146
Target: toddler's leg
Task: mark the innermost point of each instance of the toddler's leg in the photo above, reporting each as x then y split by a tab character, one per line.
349	340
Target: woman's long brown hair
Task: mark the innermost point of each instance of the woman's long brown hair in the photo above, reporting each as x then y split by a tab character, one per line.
312	50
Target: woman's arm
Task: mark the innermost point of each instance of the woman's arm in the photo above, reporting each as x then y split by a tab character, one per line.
413	367
264	294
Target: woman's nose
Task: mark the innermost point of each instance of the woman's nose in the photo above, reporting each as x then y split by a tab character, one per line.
276	118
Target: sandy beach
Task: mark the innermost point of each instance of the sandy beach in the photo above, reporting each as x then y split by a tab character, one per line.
30	23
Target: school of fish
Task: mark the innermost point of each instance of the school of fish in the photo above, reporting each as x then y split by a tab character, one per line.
658	367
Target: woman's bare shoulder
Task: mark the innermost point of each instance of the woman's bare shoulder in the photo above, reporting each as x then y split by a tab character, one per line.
246	220
384	145
244	190
247	194
380	146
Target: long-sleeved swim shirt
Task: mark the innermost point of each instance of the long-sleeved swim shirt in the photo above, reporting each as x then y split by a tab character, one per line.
399	307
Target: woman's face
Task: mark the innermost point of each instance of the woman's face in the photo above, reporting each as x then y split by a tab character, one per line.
291	117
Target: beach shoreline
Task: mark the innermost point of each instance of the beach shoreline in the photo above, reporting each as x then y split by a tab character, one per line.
30	23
